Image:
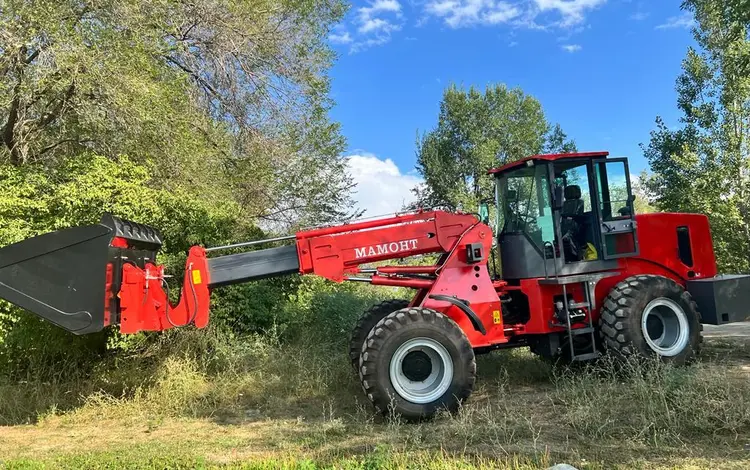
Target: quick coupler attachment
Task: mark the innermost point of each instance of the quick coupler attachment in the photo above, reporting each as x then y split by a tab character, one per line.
83	279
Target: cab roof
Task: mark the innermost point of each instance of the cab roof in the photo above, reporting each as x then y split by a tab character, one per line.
546	157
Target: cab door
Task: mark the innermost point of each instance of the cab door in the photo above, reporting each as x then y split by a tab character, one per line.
614	208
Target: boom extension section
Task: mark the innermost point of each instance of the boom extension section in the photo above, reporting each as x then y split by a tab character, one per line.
84	279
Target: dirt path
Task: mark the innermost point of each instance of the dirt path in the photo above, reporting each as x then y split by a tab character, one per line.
739	330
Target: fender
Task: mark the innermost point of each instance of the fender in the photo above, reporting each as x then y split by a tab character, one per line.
464	306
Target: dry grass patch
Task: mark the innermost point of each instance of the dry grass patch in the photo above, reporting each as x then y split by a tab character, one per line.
224	403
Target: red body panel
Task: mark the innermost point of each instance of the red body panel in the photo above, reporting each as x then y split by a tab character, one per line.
659	255
470	282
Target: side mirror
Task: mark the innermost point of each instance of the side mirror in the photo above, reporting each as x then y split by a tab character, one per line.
484	212
558	198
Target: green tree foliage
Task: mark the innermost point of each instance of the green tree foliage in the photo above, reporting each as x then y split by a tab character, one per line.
36	199
228	97
205	119
477	131
702	166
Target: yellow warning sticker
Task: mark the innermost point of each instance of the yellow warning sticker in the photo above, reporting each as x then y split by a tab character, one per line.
196	277
497	318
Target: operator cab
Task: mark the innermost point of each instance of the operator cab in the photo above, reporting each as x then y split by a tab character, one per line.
564	214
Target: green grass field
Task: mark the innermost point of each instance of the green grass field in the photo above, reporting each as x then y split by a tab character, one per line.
256	404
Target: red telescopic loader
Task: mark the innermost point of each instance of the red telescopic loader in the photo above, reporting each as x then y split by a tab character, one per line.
582	276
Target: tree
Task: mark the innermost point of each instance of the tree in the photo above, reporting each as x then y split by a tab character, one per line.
475	132
228	97
703	166
198	117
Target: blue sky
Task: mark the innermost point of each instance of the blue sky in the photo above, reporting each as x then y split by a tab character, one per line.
603	69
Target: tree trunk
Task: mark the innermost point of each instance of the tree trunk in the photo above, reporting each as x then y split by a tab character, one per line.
9	133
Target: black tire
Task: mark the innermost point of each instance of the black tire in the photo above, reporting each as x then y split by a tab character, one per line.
622	315
365	323
395	330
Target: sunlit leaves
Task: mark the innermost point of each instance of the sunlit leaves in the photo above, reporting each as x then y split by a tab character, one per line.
478	130
703	166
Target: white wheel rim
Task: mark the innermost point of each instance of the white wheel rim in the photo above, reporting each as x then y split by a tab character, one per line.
436	379
665	327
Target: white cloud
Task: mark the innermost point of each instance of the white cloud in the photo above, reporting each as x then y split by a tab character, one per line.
375	23
381	5
461	13
340	38
685	20
571	47
639	16
381	187
572	12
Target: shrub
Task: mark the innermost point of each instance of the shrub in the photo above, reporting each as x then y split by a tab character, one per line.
37	199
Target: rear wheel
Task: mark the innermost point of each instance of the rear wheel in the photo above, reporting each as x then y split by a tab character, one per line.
415	362
651	316
365	323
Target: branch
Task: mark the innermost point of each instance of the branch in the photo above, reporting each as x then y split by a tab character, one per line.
65	141
54	114
193	74
9	128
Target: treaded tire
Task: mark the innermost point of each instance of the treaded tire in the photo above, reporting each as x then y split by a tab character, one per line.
365	323
384	340
622	313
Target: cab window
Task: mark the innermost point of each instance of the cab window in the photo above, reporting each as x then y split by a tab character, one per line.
612	187
525	204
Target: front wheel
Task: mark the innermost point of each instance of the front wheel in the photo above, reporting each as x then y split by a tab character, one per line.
415	362
365	323
651	316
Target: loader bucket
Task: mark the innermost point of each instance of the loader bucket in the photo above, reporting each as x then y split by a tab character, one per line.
66	277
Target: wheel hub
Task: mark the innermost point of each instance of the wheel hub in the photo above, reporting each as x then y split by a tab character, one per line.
665	327
416	366
421	370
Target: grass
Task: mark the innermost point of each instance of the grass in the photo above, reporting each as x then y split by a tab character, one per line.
201	401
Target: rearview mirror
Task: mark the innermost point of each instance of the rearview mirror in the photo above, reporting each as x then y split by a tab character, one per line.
484	212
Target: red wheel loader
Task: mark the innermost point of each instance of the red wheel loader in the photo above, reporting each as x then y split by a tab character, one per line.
582	275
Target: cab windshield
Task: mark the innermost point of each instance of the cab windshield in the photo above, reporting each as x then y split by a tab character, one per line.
524	204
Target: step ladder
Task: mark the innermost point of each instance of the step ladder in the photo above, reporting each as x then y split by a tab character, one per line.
588	282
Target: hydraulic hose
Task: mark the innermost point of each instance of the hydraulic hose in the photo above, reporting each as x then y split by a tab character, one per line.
195	300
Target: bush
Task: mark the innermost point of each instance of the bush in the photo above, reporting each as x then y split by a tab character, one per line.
37	199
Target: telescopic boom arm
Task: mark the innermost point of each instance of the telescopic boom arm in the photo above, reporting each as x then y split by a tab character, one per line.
86	278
